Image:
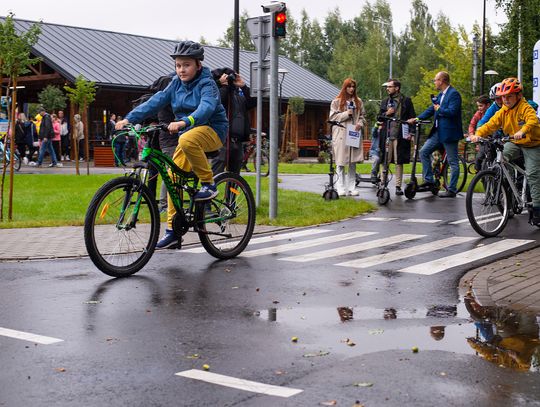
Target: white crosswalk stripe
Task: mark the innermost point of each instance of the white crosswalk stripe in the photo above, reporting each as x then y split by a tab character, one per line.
405	253
305	244
272	238
445	263
359	247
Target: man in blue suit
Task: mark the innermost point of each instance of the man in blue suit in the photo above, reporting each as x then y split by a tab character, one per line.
447	131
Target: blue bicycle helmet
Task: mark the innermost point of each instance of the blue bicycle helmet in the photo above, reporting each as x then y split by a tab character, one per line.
188	49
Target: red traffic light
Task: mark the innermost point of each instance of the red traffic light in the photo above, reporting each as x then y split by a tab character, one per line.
279	24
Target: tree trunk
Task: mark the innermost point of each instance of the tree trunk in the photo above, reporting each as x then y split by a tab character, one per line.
12	149
86	138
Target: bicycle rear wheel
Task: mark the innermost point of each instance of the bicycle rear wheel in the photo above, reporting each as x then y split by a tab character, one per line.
121	227
487	203
225	224
446	174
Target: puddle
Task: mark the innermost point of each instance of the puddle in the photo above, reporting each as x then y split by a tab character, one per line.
506	338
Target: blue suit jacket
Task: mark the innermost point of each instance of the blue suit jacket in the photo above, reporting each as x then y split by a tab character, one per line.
448	117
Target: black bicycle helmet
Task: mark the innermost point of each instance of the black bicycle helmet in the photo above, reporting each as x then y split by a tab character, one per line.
188	49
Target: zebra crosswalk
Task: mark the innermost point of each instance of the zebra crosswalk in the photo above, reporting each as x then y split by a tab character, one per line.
376	249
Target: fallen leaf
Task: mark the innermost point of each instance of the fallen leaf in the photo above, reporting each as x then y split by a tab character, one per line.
60	369
519	275
294	339
414	349
227	270
194	356
275	302
206	367
357	404
328	403
280	372
363	384
314	355
375	331
348	342
257	289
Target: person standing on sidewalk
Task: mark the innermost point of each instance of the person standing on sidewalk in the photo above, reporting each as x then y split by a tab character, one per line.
399	107
64	136
237	101
78	136
446	131
46	135
347	109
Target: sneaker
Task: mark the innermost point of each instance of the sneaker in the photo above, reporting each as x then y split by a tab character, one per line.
61	158
399	191
25	161
51	165
59	164
32	163
81	159
168	241
207	191
67	158
354	192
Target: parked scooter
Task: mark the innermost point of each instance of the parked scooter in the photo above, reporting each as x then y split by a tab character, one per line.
412	186
330	192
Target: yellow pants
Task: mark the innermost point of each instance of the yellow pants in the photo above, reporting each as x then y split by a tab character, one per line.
190	156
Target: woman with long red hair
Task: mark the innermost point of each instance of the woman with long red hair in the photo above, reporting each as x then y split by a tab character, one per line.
347	109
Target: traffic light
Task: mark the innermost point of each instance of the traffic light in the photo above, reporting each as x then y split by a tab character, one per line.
279	22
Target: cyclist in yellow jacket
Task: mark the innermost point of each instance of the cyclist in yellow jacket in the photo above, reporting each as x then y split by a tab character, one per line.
518	118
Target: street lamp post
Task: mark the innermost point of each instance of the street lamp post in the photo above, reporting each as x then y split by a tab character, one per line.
491	74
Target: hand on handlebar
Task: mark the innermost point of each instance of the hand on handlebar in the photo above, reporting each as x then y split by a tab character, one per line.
175	127
121	124
473	138
412	120
518	135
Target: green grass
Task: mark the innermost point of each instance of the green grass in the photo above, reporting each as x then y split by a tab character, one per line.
61	200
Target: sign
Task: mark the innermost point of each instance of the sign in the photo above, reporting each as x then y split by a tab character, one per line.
353	137
252	25
253	72
536	72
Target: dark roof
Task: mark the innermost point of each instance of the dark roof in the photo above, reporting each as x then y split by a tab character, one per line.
119	60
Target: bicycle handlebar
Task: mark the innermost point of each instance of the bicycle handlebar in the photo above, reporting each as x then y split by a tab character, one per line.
395	119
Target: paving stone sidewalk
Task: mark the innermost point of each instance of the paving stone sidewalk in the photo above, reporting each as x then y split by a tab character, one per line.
513	282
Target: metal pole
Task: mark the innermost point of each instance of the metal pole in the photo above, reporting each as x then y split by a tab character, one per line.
391	46
236	40
274	127
475	64
259	113
519	68
483	67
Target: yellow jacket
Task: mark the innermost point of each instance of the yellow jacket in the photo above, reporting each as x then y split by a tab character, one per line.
521	117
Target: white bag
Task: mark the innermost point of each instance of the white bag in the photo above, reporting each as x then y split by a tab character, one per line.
353	137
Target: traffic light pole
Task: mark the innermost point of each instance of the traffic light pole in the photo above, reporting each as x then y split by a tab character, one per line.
274	128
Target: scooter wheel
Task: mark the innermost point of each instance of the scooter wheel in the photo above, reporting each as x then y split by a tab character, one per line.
436	187
410	191
383	196
330	195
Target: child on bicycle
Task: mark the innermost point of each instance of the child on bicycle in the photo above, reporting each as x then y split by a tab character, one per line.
201	122
519	119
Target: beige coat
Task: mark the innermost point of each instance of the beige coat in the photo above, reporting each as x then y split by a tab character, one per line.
343	154
78	133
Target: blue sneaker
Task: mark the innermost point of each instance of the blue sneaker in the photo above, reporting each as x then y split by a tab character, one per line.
207	191
168	241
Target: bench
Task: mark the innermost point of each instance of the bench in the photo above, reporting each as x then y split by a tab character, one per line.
309	145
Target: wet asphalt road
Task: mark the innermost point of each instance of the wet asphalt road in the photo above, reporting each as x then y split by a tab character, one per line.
124	340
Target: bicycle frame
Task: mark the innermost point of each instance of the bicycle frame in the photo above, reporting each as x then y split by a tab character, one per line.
503	165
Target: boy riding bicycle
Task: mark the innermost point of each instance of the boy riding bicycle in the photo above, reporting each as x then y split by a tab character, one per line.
201	122
519	119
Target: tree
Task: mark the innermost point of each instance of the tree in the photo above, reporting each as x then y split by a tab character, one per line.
245	38
52	98
80	97
15	59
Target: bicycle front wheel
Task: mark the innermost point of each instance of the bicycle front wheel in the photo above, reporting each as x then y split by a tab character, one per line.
121	227
487	203
447	174
225	224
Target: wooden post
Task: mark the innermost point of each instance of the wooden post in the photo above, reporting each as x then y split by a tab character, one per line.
12	148
84	119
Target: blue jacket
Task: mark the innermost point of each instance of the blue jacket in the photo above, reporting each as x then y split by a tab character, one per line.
494	108
447	118
197	103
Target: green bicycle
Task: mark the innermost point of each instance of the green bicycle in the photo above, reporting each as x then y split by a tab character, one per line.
122	222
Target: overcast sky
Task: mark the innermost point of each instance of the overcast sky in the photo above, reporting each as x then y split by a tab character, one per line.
174	19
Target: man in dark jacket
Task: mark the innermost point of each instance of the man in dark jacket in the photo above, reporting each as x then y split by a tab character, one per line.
400	107
237	100
46	134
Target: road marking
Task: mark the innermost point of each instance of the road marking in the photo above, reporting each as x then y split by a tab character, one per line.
376	219
25	336
272	238
422	220
240	384
387	241
404	253
305	244
466	220
444	263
